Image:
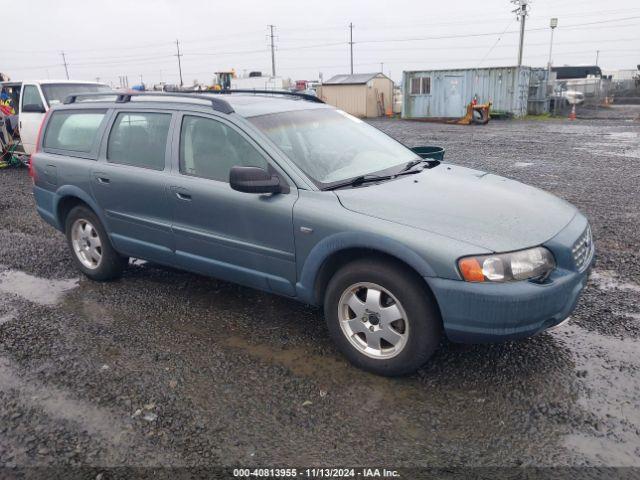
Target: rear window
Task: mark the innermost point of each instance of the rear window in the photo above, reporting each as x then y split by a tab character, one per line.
57	92
74	131
139	139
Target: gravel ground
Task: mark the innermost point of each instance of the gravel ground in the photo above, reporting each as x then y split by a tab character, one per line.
168	368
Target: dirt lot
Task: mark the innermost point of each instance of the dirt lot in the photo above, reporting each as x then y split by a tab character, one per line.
169	368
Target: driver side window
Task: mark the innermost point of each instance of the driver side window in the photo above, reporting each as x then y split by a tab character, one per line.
31	96
209	149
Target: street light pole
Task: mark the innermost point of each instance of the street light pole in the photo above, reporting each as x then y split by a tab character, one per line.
553	24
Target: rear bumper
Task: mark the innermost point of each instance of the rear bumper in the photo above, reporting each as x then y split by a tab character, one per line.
46	202
490	312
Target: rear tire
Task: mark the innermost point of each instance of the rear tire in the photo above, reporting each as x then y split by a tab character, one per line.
90	246
382	317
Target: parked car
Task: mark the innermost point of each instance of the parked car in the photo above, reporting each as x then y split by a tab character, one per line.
36	97
291	196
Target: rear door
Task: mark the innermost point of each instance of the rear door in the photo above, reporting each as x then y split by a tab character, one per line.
31	114
129	183
241	237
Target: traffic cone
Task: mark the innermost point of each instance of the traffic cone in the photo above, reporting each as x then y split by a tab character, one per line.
572	115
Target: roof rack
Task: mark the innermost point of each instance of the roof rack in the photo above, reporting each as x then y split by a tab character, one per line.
304	96
217	104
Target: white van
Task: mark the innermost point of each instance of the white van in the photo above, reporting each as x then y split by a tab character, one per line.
36	97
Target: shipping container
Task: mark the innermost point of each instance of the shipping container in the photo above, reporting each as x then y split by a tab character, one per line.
446	93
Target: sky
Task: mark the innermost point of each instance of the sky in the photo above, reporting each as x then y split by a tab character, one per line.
108	39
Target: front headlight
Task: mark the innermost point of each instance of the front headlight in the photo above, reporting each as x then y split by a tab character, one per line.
506	267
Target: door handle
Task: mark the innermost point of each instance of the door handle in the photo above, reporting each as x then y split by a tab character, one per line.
181	193
101	177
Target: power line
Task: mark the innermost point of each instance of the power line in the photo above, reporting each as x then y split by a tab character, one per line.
495	44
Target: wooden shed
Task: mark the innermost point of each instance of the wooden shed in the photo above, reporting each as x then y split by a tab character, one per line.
363	95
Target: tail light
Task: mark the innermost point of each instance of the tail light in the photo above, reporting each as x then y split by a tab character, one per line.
32	171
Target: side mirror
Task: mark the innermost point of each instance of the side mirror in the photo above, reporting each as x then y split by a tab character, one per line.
254	180
33	108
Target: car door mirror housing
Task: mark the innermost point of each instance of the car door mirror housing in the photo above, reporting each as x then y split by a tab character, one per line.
254	180
33	108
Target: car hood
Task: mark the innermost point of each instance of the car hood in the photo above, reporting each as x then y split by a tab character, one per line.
475	207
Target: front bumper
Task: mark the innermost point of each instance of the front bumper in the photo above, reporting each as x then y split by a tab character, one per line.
490	312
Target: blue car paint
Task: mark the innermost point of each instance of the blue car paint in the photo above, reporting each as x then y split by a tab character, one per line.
422	221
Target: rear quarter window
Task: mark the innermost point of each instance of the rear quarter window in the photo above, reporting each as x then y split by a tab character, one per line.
73	131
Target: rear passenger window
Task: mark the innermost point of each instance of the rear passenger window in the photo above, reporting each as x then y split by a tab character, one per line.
73	131
209	149
139	139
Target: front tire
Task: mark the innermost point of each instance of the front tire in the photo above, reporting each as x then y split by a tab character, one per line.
90	246
382	317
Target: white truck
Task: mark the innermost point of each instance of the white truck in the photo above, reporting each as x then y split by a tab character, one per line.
34	99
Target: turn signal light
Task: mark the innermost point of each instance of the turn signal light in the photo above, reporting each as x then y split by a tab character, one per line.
471	269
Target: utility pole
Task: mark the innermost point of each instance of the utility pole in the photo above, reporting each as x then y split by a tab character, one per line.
553	24
64	61
521	15
597	57
351	44
382	67
273	51
179	64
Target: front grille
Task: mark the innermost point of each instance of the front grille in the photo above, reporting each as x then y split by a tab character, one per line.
582	250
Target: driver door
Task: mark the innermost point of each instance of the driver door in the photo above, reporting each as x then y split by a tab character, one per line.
241	237
29	121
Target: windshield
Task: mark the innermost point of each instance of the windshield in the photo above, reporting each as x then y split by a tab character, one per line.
57	92
332	146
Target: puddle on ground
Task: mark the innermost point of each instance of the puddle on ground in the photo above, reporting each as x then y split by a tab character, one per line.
58	404
298	360
608	280
611	380
522	164
7	317
602	450
329	370
625	135
606	150
35	289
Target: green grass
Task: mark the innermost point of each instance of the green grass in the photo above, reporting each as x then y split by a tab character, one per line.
542	117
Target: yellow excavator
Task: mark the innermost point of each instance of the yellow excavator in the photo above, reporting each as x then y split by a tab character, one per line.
477	113
222	80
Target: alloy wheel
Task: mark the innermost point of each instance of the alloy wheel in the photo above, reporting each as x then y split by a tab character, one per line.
373	320
86	243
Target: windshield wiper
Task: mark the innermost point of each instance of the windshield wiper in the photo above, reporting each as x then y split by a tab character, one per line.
354	182
362	179
413	163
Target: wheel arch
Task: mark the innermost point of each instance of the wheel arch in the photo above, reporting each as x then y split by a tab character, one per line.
335	251
68	197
